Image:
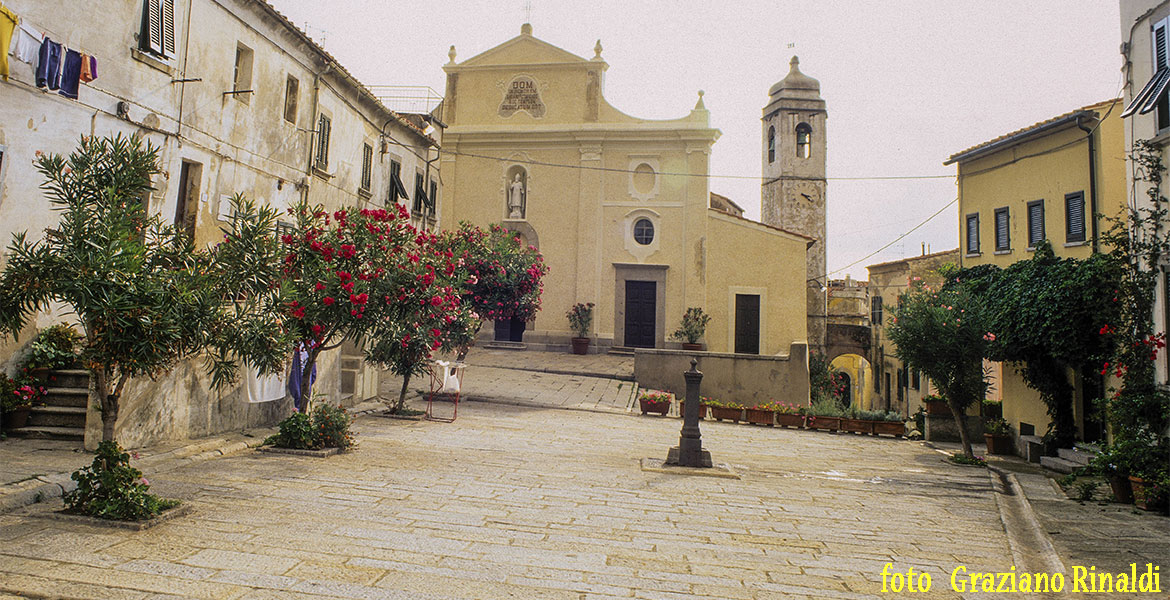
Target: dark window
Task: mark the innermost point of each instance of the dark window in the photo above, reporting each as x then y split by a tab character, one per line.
1035	222
771	144
1002	230
973	233
643	231
434	197
187	207
747	324
367	166
1074	217
916	380
157	35
291	91
875	310
324	124
397	189
420	195
803	140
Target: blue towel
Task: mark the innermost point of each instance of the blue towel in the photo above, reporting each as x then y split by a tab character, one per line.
71	74
294	379
49	65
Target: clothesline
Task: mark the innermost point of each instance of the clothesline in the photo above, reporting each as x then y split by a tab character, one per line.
55	65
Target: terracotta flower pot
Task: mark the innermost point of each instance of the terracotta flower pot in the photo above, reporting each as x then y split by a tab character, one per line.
660	408
760	417
682	406
856	425
790	420
824	423
689	346
731	414
998	444
1122	490
580	345
17	417
1143	497
938	407
894	428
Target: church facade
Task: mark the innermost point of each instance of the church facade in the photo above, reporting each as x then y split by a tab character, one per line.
619	206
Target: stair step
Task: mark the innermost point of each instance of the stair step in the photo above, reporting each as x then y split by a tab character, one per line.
621	351
54	433
57	416
498	345
64	396
69	378
1059	465
1074	455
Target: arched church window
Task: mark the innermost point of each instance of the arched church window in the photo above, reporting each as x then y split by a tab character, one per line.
771	144
803	140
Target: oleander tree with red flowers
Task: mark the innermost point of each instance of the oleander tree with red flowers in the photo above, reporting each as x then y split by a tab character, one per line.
346	276
504	277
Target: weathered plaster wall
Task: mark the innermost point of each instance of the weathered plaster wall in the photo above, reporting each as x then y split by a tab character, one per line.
747	379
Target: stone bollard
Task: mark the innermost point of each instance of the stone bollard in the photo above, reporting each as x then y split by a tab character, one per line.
689	452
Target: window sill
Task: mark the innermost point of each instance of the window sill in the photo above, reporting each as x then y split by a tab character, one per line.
973	255
1003	252
319	172
1076	244
152	61
365	193
1162	139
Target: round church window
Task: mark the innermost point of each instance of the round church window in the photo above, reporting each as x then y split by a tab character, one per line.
643	232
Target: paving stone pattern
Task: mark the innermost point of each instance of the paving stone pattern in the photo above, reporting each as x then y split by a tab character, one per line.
527	502
530	388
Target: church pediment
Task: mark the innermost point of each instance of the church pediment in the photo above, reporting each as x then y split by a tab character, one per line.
522	50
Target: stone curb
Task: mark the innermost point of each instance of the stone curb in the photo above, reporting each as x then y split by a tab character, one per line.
1032	549
593	374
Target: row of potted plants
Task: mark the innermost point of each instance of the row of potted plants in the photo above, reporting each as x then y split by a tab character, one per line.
689	332
821	415
1134	472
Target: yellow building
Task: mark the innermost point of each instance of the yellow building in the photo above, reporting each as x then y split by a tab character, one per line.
618	205
1052	180
896	387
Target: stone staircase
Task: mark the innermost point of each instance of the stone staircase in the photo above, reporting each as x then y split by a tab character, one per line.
1067	460
63	415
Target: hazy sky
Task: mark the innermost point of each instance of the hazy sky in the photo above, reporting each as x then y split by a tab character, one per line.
907	83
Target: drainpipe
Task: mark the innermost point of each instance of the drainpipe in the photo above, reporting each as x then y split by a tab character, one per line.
1092	182
313	133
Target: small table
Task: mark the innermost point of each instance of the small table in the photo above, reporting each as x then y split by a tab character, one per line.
446	378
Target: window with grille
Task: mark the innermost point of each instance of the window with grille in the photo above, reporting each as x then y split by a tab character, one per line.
1002	229
157	34
1035	222
973	233
644	231
1074	217
367	166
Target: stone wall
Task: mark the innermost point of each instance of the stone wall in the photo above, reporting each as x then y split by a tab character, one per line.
745	378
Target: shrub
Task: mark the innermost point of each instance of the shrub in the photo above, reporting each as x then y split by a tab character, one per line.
997	426
694	324
580	318
53	348
111	489
826	407
713	403
962	459
328	427
892	416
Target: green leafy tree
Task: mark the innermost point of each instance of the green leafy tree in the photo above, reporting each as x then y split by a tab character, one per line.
144	297
1053	316
940	333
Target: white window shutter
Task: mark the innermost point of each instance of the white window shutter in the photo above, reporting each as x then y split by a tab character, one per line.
168	27
153	25
1159	44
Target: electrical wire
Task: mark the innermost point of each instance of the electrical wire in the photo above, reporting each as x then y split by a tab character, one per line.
896	240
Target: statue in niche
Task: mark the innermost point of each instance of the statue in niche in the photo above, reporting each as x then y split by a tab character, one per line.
516	199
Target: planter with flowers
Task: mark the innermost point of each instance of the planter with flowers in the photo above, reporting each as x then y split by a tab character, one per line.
731	411
825	414
789	415
654	401
19	397
763	414
702	407
937	405
692	328
580	318
998	435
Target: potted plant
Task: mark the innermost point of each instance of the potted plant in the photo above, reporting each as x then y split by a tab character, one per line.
936	405
682	406
690	331
580	318
763	414
998	435
788	414
654	401
826	414
1112	462
732	411
19	398
52	348
856	421
888	423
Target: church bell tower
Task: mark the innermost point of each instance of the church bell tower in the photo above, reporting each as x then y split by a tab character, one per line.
793	194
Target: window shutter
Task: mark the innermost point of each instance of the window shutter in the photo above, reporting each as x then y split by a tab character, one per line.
168	27
1074	211
1002	237
972	233
323	142
367	166
1035	222
1160	57
434	195
151	36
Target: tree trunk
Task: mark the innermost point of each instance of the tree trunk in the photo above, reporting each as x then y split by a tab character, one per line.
109	401
960	417
401	406
307	378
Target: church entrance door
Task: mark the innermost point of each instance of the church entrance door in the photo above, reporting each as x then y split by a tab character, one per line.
641	312
510	330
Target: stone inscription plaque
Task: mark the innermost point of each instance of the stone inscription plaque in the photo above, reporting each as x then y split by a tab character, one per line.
522	94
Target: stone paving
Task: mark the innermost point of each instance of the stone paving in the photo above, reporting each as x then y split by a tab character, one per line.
524	502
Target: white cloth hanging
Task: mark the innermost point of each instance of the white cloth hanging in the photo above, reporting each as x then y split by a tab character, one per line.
26	43
450	376
263	388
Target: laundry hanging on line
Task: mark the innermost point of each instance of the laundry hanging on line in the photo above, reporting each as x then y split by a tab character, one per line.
8	22
49	65
27	43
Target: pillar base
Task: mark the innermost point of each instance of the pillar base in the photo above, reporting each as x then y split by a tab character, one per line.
702	459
